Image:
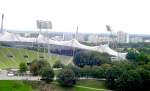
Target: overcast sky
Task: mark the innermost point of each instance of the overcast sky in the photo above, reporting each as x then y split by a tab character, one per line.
132	16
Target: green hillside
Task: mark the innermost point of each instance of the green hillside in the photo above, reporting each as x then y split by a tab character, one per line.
11	57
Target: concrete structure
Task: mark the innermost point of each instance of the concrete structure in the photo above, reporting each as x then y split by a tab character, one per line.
7	37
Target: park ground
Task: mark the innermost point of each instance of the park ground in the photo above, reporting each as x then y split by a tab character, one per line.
83	85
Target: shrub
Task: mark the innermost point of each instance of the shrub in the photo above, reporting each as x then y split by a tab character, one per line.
66	77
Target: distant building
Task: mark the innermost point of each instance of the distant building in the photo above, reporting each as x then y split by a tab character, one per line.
93	38
122	37
148	40
58	38
81	37
68	36
136	39
104	39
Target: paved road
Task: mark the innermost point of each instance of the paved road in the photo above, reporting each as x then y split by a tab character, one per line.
4	76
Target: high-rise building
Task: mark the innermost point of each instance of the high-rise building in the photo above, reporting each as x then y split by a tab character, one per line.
122	37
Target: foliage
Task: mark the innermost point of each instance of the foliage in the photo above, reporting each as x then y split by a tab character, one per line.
142	58
137	57
98	72
128	76
132	55
129	81
76	70
47	74
88	71
23	67
66	77
112	74
37	65
58	64
42	67
90	58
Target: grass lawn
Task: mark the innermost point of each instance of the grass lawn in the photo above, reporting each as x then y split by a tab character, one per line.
92	83
83	85
60	88
18	56
9	85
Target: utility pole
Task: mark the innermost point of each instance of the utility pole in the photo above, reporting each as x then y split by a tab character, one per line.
114	45
114	41
76	37
44	25
2	23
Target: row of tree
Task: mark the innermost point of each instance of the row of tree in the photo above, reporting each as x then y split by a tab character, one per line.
130	75
90	58
40	67
139	57
120	76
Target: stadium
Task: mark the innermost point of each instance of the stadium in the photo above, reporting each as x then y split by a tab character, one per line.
16	40
19	48
15	49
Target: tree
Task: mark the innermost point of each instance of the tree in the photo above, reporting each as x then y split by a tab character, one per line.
113	72
142	58
90	58
144	71
37	65
86	71
34	69
76	70
105	67
98	72
66	77
47	74
58	64
129	81
23	67
138	57
132	55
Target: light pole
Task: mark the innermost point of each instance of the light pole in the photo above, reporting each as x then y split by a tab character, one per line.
41	24
76	37
2	23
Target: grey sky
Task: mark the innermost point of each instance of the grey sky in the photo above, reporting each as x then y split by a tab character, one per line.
132	16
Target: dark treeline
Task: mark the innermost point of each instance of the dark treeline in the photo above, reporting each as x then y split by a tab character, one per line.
126	75
90	58
132	74
133	45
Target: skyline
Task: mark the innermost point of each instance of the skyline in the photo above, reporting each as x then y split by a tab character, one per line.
91	16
